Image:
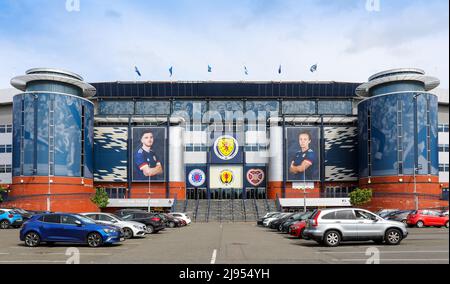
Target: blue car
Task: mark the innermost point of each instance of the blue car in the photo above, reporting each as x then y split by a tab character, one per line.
68	228
10	218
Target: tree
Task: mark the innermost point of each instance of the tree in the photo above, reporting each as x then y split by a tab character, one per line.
2	191
101	198
361	196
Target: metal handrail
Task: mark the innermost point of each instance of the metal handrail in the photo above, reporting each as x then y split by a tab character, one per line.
196	209
256	207
278	203
174	205
245	210
209	210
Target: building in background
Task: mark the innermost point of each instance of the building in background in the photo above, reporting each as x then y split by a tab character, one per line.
225	140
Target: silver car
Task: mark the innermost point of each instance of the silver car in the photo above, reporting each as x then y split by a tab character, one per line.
333	226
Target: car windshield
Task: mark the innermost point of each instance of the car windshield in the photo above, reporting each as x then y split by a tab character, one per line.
85	219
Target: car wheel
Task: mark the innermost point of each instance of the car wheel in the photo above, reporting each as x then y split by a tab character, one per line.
32	239
393	237
420	224
4	224
150	229
94	240
332	239
303	235
171	225
446	225
127	233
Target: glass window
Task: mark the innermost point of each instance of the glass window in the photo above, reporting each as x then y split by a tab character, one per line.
345	215
105	218
68	220
330	216
299	107
364	215
153	108
116	107
335	107
54	219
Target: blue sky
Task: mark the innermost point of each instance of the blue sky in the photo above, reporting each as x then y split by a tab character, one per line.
107	38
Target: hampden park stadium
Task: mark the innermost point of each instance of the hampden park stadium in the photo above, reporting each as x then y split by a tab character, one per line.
190	145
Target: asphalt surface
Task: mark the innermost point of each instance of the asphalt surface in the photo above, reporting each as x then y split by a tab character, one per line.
230	243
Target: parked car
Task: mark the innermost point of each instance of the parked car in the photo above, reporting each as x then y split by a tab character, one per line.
10	218
385	212
445	212
333	226
124	212
153	222
25	214
68	228
275	224
294	219
169	221
130	229
182	216
400	216
297	229
260	222
267	221
427	218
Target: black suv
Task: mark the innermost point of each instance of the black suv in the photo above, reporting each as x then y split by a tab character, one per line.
153	221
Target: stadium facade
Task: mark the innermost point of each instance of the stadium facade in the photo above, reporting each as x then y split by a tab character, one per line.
165	141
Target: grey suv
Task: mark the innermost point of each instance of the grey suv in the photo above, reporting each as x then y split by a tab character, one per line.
332	226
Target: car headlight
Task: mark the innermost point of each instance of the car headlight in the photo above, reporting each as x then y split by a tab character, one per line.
109	231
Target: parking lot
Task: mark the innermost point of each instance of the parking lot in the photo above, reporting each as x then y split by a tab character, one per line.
230	243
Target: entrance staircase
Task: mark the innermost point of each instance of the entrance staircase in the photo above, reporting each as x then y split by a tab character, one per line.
223	211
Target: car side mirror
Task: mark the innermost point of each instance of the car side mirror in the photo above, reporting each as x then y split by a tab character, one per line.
78	223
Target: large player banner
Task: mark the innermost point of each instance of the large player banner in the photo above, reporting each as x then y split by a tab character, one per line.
303	154
149	151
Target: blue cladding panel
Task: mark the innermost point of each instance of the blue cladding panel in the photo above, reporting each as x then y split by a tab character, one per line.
116	107
385	138
335	107
28	139
89	140
43	108
341	153
67	136
110	154
363	137
17	121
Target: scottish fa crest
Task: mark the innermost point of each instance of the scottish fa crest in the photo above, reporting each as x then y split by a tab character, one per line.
226	177
197	178
226	148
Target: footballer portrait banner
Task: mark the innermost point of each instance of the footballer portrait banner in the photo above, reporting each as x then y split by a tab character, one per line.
196	177
226	149
255	176
303	154
222	177
149	151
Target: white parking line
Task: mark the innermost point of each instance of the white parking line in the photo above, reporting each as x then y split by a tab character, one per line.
383	252
214	256
398	260
32	261
60	253
4	253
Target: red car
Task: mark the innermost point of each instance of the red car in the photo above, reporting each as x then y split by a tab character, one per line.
427	218
297	229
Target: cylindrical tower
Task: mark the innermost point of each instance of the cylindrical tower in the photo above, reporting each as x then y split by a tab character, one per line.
53	125
398	139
